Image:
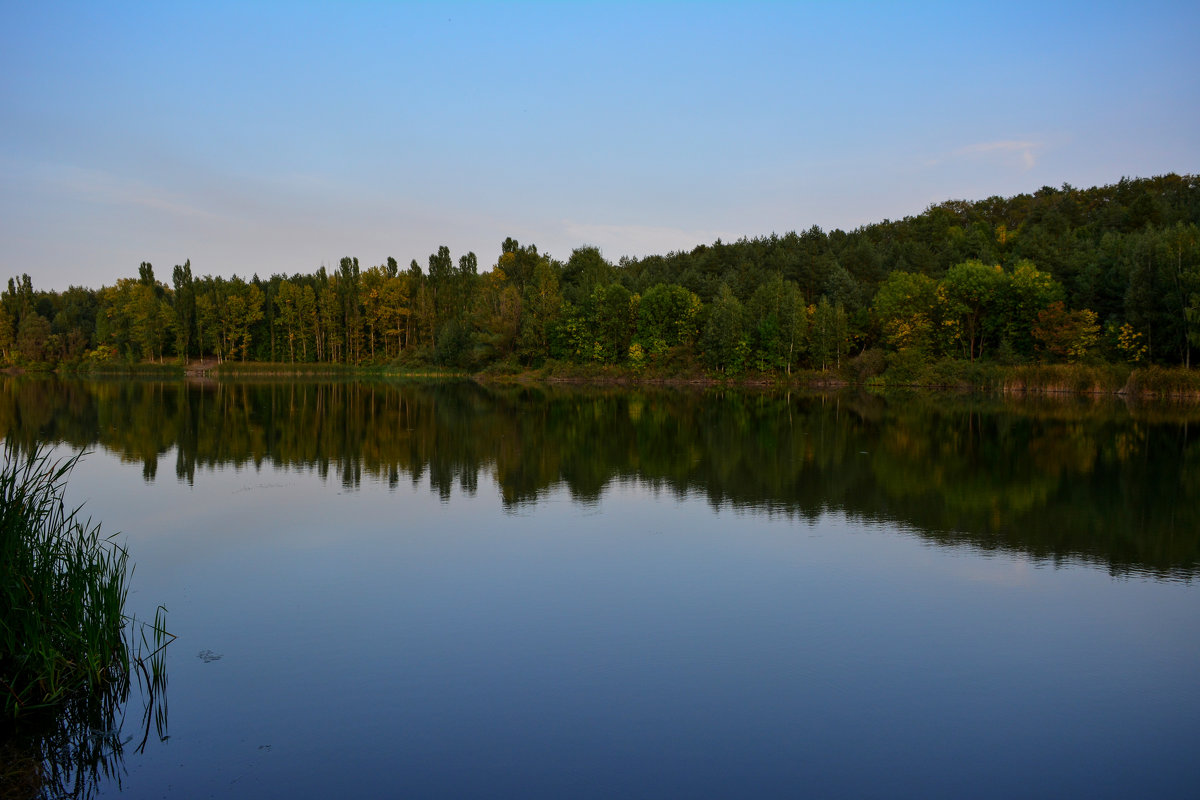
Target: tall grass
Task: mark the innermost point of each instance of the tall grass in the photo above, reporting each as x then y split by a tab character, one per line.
1178	383
166	371
62	595
62	589
1061	378
67	652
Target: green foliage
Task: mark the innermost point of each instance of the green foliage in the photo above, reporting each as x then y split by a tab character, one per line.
961	279
1022	295
725	342
906	310
584	271
1066	335
908	367
74	323
637	357
828	339
62	590
8	335
33	337
866	365
1129	343
779	323
518	263
602	327
542	306
614	311
969	294
67	652
453	345
667	317
185	308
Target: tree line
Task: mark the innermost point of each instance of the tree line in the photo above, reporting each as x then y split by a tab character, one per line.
1061	275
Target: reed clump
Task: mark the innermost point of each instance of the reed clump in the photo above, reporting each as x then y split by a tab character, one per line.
1172	383
62	591
1062	378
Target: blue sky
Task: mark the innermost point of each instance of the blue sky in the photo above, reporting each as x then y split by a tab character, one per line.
274	137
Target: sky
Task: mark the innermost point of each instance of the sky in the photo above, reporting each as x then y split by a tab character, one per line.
262	138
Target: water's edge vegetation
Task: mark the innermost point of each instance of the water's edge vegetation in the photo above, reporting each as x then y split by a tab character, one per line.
64	589
869	372
68	652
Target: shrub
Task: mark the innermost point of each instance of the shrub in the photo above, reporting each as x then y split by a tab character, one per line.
868	364
906	368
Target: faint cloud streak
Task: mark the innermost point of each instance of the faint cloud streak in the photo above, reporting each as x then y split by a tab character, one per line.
1022	152
98	186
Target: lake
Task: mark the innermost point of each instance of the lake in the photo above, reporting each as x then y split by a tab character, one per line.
451	590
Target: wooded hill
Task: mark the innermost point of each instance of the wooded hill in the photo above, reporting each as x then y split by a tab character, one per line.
1061	275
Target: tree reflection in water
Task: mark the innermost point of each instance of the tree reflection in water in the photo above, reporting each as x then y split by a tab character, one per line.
1090	479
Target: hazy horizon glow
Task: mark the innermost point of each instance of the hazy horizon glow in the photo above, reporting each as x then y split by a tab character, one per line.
274	137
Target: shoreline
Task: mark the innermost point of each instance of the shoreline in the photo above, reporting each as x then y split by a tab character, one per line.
1176	384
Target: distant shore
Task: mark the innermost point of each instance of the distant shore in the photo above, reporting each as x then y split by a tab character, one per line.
1153	382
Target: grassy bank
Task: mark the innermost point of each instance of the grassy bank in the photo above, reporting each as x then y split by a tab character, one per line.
903	370
148	369
236	369
873	369
878	372
1165	383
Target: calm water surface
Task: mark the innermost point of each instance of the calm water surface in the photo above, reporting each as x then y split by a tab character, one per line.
453	591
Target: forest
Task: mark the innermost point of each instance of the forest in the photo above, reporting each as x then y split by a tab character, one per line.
1103	275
